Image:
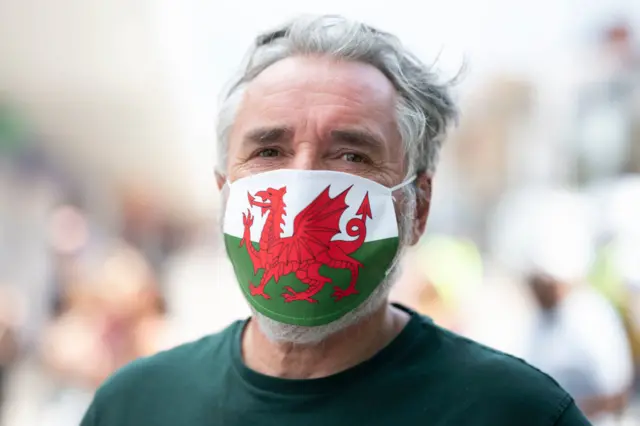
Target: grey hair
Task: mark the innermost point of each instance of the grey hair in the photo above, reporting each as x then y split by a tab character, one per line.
425	108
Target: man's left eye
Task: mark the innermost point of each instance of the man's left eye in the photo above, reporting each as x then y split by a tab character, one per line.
353	158
268	152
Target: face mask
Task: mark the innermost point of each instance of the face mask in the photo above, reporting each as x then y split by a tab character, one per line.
307	247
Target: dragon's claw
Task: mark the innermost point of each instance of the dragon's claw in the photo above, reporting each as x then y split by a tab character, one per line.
293	296
247	219
338	293
257	291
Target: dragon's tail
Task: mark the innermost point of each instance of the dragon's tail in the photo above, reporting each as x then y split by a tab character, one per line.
355	228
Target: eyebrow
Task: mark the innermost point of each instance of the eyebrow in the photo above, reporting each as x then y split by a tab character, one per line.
354	138
358	138
266	135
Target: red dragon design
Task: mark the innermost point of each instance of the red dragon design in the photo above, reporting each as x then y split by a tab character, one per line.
310	246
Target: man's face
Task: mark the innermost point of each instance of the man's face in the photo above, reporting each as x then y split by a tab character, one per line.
318	114
313	113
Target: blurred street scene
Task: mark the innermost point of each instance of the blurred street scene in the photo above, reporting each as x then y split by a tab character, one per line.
109	212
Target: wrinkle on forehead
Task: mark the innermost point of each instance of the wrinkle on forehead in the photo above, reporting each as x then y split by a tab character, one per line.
317	98
344	81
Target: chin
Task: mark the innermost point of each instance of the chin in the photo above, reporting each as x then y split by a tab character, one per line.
279	332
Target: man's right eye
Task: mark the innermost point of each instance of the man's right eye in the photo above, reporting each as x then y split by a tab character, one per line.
268	152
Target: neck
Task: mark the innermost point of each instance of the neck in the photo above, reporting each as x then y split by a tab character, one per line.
341	351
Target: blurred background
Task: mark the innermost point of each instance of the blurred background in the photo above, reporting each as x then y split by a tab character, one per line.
108	206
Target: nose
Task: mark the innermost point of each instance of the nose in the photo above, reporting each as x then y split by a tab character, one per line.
307	156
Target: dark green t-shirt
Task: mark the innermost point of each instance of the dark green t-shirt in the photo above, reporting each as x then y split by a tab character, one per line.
426	376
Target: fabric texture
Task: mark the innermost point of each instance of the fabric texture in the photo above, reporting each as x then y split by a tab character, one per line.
309	246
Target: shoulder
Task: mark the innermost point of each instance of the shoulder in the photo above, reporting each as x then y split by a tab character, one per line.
500	385
602	316
601	311
166	370
608	356
161	366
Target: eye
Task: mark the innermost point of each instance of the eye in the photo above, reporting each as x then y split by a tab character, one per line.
268	152
353	157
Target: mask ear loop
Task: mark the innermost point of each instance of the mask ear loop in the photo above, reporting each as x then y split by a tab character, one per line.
391	191
392	266
403	183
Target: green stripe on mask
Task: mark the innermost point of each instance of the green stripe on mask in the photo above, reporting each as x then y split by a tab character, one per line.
376	258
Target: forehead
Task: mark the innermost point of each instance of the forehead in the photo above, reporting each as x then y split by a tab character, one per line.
341	89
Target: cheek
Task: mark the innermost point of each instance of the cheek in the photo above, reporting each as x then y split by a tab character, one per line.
239	171
405	217
404	203
236	161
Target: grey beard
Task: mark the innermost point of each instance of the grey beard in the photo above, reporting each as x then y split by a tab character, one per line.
305	335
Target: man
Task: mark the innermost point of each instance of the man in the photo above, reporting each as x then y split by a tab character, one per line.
578	337
331	132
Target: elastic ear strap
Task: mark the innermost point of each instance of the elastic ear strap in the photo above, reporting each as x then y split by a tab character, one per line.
393	265
405	183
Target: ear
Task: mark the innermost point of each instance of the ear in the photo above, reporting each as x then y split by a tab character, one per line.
423	205
283	190
220	179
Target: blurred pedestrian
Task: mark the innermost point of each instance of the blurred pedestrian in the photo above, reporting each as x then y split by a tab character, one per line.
111	314
578	338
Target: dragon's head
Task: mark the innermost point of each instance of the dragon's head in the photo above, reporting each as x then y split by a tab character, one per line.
271	197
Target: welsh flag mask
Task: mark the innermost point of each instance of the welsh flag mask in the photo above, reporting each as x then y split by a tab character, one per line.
309	246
